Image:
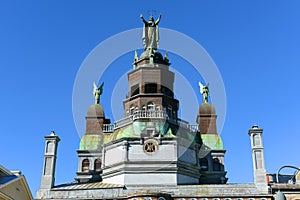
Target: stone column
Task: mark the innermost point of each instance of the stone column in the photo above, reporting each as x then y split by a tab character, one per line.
49	161
255	134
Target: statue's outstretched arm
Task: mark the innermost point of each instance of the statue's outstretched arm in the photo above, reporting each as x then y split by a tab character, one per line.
158	20
141	16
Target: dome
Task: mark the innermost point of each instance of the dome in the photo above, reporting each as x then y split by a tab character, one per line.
95	110
207	109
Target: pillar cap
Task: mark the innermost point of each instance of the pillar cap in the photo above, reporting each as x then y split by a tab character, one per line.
52	136
255	129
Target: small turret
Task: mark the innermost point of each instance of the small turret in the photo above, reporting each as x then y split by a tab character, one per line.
91	143
206	117
48	176
212	152
255	134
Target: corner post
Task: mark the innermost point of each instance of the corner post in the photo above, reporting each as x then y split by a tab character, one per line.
48	177
255	134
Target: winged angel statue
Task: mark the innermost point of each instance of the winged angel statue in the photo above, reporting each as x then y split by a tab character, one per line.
204	91
97	92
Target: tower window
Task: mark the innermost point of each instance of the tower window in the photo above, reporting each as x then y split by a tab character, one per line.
166	91
216	164
151	88
204	164
97	165
135	90
85	165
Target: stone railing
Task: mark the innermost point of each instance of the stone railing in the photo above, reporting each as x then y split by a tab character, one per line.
148	114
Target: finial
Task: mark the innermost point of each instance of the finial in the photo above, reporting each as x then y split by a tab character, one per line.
204	91
97	92
255	126
167	56
52	133
136	58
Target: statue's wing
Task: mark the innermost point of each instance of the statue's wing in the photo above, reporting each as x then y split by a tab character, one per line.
101	86
201	87
95	88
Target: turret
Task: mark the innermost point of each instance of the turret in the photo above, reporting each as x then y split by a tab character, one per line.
255	134
91	144
212	152
49	161
151	83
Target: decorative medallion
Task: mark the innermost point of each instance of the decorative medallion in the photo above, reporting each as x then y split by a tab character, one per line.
150	146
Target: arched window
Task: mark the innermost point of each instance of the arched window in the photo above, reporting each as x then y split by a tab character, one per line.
135	90
151	88
204	164
85	165
256	140
97	165
151	106
216	164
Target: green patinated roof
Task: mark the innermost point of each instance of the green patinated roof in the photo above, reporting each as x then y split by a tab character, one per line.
137	128
134	130
90	142
213	141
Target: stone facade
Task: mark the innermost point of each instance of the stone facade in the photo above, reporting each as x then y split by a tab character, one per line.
151	154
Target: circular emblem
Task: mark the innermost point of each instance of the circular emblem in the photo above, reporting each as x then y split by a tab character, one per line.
150	146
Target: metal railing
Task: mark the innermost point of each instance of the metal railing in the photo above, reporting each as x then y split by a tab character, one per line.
148	114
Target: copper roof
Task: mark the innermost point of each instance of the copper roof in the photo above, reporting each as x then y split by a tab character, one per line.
85	186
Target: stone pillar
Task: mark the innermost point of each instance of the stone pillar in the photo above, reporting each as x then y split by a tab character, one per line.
49	161
255	134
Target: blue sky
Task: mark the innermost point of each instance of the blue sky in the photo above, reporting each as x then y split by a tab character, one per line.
255	45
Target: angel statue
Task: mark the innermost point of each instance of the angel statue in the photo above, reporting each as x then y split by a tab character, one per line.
150	32
97	92
204	91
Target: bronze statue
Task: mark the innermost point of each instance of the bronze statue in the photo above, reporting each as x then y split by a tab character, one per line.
97	92
150	32
204	91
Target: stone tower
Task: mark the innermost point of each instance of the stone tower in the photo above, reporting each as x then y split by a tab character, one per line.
151	82
151	145
49	161
255	134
